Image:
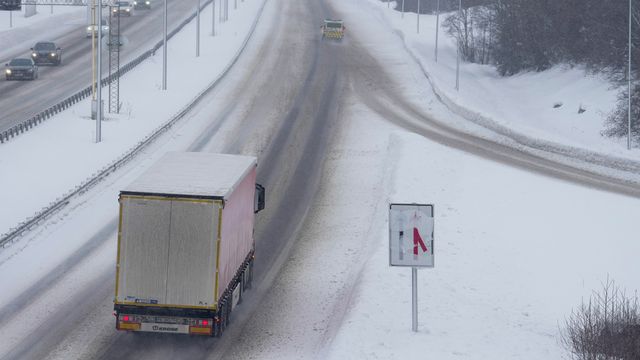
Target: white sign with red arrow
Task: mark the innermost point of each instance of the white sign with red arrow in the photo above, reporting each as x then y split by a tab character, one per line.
411	235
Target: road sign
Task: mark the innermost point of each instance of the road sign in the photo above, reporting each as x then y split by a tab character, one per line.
411	235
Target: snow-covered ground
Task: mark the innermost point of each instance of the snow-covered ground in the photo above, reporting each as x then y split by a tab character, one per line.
515	252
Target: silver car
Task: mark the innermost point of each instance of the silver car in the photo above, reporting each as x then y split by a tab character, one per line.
122	8
91	29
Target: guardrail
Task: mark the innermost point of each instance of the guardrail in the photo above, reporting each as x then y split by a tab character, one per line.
48	113
60	203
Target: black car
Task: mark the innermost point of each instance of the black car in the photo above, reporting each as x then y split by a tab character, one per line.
21	68
142	4
46	52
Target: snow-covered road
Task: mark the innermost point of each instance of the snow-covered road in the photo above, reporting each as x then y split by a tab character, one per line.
519	239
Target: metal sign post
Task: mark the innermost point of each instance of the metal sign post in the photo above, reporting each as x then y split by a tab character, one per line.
164	47
198	30
411	243
418	19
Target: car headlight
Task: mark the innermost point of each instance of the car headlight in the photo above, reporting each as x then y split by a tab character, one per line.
88	28
127	10
34	54
8	71
146	2
53	54
135	3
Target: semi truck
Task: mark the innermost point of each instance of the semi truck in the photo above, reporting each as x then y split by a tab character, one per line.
185	249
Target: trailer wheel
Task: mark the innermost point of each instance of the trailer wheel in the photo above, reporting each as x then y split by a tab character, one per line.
250	275
216	328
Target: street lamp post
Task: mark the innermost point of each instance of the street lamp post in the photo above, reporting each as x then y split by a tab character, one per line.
198	30
213	18
629	84
99	76
164	48
437	26
458	53
418	19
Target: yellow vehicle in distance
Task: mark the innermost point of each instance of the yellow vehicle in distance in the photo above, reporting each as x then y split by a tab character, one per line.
333	29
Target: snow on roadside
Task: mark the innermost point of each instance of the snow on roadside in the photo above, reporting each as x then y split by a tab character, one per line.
523	103
515	252
69	154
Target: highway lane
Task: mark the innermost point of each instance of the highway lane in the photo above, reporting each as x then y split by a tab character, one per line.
20	100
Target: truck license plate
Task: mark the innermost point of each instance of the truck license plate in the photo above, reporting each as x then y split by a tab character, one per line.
165	328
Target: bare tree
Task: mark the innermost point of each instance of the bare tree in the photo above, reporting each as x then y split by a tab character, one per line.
473	29
607	327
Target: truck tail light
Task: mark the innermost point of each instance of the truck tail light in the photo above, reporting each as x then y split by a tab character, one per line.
126	318
202	327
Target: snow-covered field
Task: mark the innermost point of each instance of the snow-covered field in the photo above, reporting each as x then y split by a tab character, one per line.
515	252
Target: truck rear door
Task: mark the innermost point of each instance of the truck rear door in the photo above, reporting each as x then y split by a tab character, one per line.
192	253
143	250
167	251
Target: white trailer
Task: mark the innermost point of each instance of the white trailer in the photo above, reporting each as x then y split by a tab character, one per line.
185	243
